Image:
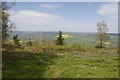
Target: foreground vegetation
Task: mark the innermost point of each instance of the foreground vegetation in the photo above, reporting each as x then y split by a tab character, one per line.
50	61
68	61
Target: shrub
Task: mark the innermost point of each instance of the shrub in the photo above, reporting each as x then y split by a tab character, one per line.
16	41
60	40
29	43
99	46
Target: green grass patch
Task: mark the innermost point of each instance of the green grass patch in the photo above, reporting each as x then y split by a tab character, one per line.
62	64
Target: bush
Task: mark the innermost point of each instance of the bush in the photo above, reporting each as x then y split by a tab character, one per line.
16	41
99	47
29	43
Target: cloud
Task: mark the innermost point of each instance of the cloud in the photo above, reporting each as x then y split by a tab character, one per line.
110	13
108	9
33	20
28	20
51	6
34	14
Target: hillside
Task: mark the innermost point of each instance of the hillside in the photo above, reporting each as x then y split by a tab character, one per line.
70	37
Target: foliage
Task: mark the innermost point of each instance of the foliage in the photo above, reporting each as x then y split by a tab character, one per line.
7	25
44	43
30	43
44	40
60	40
55	61
16	41
101	33
47	60
23	64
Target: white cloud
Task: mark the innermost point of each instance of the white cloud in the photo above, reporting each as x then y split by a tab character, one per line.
34	14
33	20
51	6
26	20
110	13
36	21
108	9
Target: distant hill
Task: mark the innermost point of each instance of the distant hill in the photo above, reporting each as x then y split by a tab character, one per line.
71	37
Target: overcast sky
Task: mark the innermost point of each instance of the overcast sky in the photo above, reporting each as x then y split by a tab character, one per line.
67	16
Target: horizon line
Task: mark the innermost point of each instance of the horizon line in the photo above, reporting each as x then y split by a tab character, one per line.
65	31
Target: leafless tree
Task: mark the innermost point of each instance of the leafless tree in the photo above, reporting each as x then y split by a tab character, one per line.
102	32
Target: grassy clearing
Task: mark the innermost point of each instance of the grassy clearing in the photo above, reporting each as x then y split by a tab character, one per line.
60	62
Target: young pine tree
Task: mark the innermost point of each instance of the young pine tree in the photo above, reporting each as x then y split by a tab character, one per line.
29	43
60	39
16	41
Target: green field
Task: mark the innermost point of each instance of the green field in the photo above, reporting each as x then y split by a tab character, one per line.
59	39
60	62
78	58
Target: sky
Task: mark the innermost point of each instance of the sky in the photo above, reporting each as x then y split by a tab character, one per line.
64	16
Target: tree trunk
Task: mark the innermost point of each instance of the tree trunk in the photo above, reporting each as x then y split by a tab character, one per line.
101	43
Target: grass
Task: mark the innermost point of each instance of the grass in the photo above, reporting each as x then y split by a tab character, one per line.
60	62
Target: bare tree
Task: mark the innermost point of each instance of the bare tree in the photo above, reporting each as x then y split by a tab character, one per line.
102	33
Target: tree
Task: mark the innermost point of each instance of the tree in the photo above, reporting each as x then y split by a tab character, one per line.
0	24
6	23
44	40
29	43
60	39
16	41
102	35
